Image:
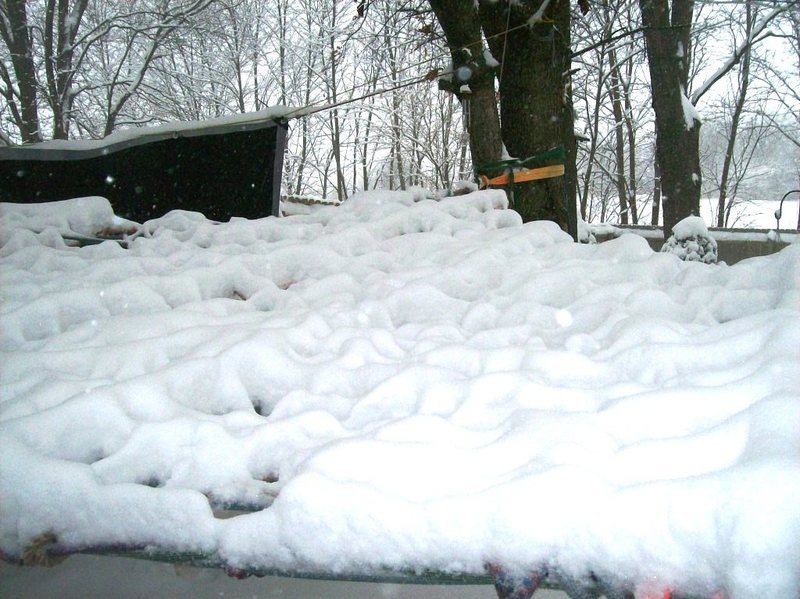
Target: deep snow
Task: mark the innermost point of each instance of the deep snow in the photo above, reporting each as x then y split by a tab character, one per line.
432	384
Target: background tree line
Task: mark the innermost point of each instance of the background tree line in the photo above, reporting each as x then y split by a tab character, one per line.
84	68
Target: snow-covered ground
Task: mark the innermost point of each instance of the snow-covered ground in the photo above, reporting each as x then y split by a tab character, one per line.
405	383
755	215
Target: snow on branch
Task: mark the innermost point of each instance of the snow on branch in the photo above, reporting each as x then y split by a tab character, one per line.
538	16
755	36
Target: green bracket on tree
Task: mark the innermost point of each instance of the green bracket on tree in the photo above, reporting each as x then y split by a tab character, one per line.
546	158
556	155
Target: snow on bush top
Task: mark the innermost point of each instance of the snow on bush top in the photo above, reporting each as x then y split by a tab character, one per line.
691	241
432	384
691	226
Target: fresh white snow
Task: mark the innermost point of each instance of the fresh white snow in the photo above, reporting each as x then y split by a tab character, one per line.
690	115
432	383
690	240
691	226
142	135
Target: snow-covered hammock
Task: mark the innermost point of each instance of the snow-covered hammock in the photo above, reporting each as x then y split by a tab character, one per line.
402	384
44	551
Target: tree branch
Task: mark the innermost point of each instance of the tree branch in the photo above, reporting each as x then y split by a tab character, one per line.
754	37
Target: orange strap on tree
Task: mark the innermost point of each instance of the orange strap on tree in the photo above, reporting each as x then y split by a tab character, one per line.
545	165
523	175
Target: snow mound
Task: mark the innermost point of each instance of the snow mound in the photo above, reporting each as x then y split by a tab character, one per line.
51	222
691	241
407	383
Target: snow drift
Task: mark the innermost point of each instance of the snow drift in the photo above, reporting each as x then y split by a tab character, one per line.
404	383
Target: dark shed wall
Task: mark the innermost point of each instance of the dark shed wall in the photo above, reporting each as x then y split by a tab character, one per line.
221	173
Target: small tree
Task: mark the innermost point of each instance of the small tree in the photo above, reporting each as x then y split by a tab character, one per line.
62	49
20	84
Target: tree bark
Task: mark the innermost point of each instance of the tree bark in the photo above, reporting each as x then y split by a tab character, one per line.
14	30
61	28
723	210
462	29
536	97
632	183
668	42
619	137
656	213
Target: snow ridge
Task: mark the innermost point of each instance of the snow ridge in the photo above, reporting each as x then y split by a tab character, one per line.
409	383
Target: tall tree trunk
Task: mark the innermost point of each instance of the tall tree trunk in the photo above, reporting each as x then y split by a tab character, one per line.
311	58
336	142
462	29
744	80
656	214
301	163
365	144
632	185
619	137
630	126
397	150
16	34
585	207
283	27
397	142
667	38
462	157
536	97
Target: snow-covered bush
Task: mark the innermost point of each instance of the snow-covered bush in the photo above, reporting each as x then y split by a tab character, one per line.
585	233
691	241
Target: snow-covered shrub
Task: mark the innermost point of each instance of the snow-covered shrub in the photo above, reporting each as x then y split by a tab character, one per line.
691	241
585	233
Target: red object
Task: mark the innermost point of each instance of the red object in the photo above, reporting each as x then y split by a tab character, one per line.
654	595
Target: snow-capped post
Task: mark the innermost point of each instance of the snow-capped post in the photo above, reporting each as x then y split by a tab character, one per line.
691	241
779	213
669	53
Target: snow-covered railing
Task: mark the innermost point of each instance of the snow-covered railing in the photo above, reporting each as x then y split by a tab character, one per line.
734	245
508	584
223	167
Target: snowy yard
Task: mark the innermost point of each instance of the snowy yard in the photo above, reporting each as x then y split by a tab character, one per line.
401	383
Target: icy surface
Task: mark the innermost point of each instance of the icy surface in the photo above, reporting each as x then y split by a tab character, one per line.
416	383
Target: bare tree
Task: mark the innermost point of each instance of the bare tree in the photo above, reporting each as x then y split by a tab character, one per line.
723	208
784	85
20	84
668	40
83	47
